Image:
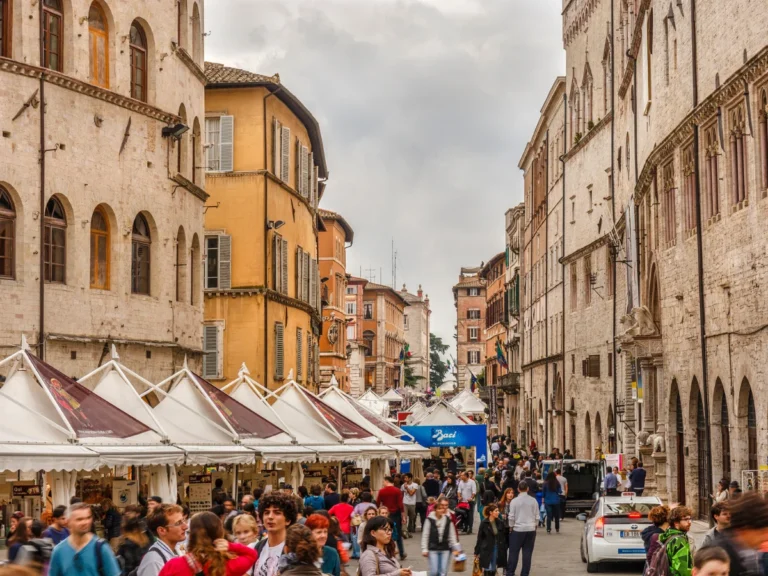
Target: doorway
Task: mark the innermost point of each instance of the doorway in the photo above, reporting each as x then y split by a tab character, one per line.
703	459
680	449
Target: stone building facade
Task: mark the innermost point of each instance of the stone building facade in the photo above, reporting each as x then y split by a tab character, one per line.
416	323
469	300
543	394
383	336
332	249
494	275
117	218
514	220
666	170
356	350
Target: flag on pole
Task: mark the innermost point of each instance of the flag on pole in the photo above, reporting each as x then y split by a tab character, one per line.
405	352
472	381
500	355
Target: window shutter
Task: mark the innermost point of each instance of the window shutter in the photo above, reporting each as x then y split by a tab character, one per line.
309	355
299	187
299	346
277	154
315	175
316	362
277	252
284	268
285	155
306	184
309	176
225	262
279	349
210	351
306	278
299	273
227	144
584	368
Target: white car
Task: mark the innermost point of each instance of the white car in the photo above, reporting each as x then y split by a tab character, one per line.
612	529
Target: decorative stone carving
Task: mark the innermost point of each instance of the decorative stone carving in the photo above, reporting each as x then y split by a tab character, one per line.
658	443
639	323
643	438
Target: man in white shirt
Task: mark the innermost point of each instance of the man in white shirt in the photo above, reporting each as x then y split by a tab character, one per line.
523	519
467	491
277	512
169	527
495	448
409	502
564	496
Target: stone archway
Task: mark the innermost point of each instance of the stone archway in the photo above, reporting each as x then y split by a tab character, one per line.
746	425
721	433
599	433
676	448
698	425
611	431
588	436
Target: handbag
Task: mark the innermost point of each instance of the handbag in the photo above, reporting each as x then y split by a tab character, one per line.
476	569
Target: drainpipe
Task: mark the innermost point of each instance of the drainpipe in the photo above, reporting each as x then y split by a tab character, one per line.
562	277
613	218
41	337
700	248
547	418
266	244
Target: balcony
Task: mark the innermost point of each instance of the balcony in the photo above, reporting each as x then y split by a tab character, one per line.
510	383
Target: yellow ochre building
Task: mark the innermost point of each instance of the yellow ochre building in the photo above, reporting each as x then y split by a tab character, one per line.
265	170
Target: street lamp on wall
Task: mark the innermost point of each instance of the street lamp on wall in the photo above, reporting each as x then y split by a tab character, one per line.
275	224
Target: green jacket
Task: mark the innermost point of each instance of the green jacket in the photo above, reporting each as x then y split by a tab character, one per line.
678	552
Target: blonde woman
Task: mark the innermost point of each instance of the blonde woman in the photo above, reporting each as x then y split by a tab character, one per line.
245	530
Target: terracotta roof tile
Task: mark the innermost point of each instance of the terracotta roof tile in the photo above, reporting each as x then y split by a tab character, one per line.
220	74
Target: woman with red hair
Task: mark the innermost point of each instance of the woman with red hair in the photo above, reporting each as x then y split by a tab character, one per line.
319	526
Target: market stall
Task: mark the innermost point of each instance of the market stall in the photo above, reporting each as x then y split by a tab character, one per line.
468	404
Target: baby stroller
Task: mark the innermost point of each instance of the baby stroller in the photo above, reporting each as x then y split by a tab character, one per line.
461	516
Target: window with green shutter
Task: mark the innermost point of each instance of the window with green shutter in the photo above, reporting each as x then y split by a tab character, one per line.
279	351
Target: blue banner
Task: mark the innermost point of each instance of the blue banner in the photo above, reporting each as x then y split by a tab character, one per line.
453	436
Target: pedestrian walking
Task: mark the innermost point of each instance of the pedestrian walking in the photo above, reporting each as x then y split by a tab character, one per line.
392	498
611	482
675	544
551	498
57	531
378	557
82	553
302	553
421	503
432	486
209	553
331	497
721	494
410	488
745	537
277	513
315	499
721	518
637	479
564	494
134	543
111	521
169	528
19	538
659	515
491	546
368	513
36	552
503	504
712	561
343	513
331	561
438	538
245	529
523	519
467	490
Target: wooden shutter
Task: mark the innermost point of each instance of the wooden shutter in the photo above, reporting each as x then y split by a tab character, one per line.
315	175
594	366
306	277
584	368
225	262
299	354
277	252
299	273
279	351
227	143
310	173
299	187
316	363
277	153
284	268
285	154
210	351
304	176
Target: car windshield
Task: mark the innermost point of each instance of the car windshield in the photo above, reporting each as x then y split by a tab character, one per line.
626	507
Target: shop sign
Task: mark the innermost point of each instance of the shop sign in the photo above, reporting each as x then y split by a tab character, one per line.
24	491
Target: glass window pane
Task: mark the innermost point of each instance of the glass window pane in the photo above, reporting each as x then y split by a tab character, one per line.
94	256
96	17
101	262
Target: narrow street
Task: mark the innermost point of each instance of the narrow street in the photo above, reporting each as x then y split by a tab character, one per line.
553	554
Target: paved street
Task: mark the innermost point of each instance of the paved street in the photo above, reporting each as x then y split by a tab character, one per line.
554	553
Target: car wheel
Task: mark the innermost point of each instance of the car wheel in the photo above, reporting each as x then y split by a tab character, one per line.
581	549
592	567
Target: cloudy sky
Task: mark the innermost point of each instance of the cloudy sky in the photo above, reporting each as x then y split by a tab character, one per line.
425	107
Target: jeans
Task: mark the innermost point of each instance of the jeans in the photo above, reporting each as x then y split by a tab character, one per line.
553	511
410	511
471	517
520	541
421	512
397	523
355	543
638	491
438	562
563	502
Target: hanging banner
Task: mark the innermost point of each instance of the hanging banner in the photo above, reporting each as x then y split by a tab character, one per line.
630	235
88	414
493	408
633	376
469	435
639	374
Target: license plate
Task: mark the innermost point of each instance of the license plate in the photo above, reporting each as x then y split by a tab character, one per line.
629	534
631	550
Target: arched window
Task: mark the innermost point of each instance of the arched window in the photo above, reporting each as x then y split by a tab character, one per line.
140	256
182	150
138	62
99	46
197	150
55	261
196	276
738	156
5	28
7	234
183	24
751	432
763	116
181	265
197	35
52	34
99	250
368	338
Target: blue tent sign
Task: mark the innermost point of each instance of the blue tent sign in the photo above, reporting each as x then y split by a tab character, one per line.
453	436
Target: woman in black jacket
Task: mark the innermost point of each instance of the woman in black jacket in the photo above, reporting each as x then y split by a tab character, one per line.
450	491
491	547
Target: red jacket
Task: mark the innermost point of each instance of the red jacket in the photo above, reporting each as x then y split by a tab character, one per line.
243	561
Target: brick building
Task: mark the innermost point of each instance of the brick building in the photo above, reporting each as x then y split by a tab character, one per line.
383	336
510	381
114	232
416	323
494	276
469	299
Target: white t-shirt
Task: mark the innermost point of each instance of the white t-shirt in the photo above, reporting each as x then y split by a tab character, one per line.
495	447
407	498
467	490
268	560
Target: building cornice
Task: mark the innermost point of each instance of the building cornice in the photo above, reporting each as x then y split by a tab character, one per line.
270	294
86	89
107	339
193	66
192	188
540	361
634	49
584	250
576	148
730	89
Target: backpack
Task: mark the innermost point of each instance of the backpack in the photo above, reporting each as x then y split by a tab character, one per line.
135	571
659	564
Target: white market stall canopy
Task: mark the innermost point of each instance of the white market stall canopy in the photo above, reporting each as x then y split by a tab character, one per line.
442	414
447	387
467	403
375	404
392	396
416	412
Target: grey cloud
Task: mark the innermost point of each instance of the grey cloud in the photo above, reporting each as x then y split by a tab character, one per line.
425	112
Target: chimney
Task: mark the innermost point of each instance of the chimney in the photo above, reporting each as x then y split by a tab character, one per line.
420	293
404	289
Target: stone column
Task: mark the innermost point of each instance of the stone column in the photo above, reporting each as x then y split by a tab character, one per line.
649	400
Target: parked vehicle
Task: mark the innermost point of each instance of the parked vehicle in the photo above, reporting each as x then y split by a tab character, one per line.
585	479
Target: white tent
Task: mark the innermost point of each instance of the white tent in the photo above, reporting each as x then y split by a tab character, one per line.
447	387
416	412
443	414
375	404
392	396
467	403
